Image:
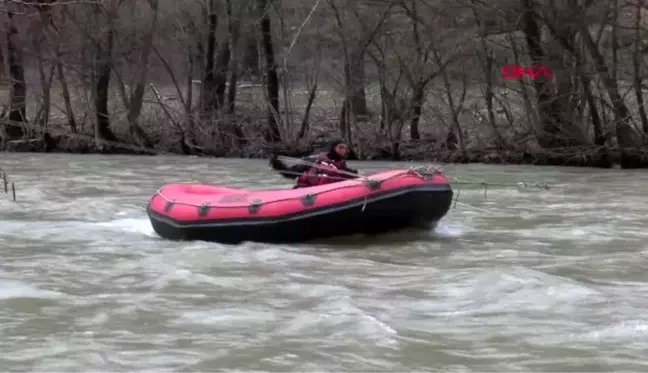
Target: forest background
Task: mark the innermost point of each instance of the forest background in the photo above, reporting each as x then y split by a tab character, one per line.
397	79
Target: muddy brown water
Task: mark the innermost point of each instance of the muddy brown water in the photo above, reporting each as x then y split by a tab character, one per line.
519	280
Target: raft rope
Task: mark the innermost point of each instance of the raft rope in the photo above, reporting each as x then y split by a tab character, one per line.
426	171
167	199
5	182
422	172
519	185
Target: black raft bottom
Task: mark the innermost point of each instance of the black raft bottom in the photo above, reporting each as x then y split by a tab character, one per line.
381	213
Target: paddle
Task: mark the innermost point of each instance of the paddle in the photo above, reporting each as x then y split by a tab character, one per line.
285	162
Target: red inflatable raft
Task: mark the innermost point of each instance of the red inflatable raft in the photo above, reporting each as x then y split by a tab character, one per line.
379	203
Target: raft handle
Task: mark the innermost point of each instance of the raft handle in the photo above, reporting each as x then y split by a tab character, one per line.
308	199
372	184
203	209
254	207
169	205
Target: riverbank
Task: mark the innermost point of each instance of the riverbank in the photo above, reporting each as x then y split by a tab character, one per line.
597	157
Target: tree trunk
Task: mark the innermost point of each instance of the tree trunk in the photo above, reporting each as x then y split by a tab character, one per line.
60	76
270	74
599	136
354	105
487	64
626	136
18	94
417	107
65	92
103	68
233	31
221	68
46	78
250	61
224	58
137	98
548	108
208	92
636	63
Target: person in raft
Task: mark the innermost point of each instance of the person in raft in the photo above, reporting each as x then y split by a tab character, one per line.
318	169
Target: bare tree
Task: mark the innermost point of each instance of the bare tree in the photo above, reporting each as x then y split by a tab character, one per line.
175	76
18	93
354	45
104	48
271	77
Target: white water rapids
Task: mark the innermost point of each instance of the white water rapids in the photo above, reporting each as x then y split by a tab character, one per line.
519	280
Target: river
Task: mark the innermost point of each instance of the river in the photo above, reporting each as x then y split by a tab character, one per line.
517	280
